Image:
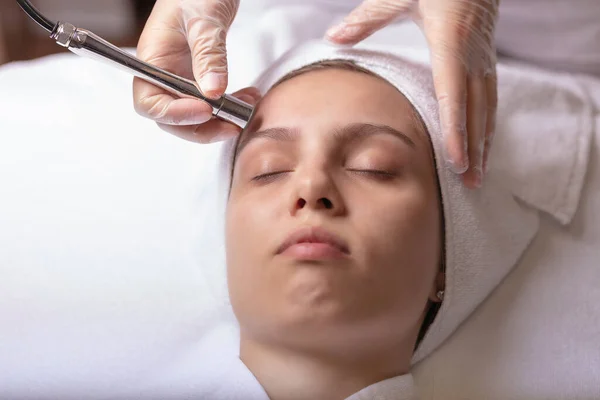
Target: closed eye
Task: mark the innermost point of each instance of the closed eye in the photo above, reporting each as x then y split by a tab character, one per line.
269	176
374	173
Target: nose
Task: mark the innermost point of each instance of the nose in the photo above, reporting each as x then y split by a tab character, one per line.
316	191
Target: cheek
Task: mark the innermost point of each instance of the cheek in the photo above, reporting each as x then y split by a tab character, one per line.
409	223
242	248
401	232
250	222
251	210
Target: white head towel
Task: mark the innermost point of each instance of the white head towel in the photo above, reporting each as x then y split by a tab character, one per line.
486	230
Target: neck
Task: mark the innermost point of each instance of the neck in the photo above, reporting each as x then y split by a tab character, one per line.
293	374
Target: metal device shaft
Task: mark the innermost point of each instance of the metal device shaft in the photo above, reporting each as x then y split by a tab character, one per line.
85	43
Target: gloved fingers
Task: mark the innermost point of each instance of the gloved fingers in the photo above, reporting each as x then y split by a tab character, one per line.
491	81
450	81
214	129
159	105
476	126
460	36
367	18
206	24
163	44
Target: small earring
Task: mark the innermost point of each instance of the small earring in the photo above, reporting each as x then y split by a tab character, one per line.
440	295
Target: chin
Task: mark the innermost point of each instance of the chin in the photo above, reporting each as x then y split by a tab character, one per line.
314	311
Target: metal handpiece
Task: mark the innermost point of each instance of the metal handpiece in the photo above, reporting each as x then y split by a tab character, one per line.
86	43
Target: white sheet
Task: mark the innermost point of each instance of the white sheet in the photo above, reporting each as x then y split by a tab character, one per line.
104	292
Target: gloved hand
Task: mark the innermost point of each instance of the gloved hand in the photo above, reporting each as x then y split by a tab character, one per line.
175	27
460	34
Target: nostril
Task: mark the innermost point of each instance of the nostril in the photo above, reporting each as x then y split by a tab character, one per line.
327	203
301	203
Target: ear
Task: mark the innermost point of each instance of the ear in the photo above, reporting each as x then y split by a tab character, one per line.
439	283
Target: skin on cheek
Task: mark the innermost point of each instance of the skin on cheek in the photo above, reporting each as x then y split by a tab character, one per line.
251	240
401	235
244	279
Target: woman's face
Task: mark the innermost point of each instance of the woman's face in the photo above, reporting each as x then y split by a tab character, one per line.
333	221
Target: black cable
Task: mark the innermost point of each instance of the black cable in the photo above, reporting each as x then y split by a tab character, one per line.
37	16
143	8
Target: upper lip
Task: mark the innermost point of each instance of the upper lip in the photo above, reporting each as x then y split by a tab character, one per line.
312	234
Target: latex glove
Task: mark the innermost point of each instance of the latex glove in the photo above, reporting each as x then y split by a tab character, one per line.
460	34
187	38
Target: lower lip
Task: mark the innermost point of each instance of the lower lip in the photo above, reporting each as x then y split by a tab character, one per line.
313	251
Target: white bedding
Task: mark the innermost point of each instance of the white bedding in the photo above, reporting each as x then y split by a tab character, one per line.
106	292
537	336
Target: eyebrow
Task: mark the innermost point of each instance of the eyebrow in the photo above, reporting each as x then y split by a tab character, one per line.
346	134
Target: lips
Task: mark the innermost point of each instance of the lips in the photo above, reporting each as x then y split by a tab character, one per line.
313	243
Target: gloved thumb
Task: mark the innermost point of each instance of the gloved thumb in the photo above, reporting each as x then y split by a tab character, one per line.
369	17
206	24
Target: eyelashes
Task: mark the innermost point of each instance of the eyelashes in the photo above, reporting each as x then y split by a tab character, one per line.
269	176
375	173
368	173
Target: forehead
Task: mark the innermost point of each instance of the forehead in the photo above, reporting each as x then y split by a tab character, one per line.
326	98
